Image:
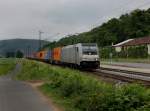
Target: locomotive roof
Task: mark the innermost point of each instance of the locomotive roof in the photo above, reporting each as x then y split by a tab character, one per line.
89	44
83	44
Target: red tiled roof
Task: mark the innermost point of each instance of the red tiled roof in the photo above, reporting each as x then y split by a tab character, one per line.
138	41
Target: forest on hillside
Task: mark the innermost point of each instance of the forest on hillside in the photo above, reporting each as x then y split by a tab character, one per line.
10	46
133	25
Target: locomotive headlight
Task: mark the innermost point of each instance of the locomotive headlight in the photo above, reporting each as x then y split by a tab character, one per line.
96	59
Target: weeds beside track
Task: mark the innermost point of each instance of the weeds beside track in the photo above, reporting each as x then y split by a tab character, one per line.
85	93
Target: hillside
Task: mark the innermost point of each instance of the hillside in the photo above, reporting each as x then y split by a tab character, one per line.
133	25
23	45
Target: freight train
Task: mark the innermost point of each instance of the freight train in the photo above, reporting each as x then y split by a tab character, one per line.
81	55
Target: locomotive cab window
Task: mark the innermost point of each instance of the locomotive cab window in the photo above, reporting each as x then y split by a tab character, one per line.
89	52
89	49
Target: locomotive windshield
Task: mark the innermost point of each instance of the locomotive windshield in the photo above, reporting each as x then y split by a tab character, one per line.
89	49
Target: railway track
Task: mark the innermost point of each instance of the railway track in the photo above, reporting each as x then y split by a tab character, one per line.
125	76
126	71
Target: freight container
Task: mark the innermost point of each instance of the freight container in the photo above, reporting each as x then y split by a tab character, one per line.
56	55
44	55
41	55
33	55
48	56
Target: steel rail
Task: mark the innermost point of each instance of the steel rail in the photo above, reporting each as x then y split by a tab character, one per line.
124	76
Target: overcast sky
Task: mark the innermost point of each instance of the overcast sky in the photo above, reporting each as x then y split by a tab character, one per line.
56	18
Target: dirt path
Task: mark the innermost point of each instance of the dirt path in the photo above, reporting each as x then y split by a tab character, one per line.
20	96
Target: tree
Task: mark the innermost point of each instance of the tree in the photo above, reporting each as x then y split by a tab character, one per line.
133	25
10	54
19	54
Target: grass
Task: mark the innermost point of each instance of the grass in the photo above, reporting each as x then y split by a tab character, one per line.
56	97
76	91
6	65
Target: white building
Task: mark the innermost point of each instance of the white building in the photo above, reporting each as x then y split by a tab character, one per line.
118	46
133	42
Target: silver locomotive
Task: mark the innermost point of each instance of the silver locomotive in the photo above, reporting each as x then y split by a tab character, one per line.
84	55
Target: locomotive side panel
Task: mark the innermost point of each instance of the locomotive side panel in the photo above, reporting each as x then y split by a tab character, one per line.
68	54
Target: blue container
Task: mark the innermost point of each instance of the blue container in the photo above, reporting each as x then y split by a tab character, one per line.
48	55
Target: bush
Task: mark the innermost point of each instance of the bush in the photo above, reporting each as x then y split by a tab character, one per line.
33	71
131	52
138	52
106	51
6	65
87	93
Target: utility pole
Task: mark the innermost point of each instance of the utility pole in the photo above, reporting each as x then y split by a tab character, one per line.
40	36
28	50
